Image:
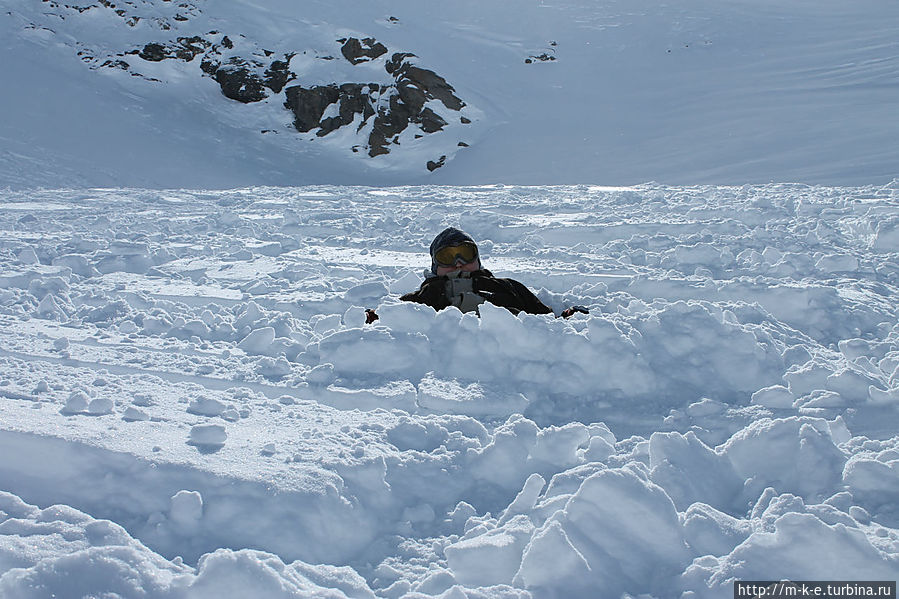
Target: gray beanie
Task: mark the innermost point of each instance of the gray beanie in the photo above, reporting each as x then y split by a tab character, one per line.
447	237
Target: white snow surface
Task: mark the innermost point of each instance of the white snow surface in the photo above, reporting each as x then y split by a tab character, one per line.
192	406
627	91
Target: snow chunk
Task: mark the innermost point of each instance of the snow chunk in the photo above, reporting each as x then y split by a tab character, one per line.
77	263
77	403
493	557
796	455
775	396
374	350
406	283
207	435
887	236
526	499
27	256
837	263
258	341
800	547
186	508
366	293
617	533
322	374
206	406
133	414
690	471
100	406
712	532
274	368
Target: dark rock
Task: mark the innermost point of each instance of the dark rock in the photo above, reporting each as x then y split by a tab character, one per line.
411	95
240	83
433	166
358	51
209	66
117	64
190	47
278	74
184	48
389	109
431	122
390	122
432	85
397	60
153	52
462	144
542	58
464	120
353	98
227	43
308	105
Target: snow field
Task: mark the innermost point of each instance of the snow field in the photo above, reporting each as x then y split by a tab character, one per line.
193	406
573	92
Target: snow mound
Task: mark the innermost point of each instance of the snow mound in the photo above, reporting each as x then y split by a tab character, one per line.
194	407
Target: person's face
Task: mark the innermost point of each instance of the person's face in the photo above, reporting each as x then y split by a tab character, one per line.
459	266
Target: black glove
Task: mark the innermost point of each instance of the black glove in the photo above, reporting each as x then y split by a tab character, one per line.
569	312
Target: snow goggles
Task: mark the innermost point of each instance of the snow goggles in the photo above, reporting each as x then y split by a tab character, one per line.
448	256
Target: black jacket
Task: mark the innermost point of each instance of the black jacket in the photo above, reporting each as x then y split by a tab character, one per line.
506	293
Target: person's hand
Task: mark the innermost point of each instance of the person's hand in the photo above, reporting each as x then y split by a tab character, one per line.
370	316
569	312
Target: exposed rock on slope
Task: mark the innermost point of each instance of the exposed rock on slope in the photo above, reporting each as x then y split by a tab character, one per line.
405	106
358	51
394	107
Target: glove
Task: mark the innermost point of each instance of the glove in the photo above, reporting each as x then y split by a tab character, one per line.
370	316
569	312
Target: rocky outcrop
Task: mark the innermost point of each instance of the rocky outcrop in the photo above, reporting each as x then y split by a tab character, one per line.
548	56
242	79
407	105
309	104
239	82
394	108
247	80
539	58
183	48
358	51
419	85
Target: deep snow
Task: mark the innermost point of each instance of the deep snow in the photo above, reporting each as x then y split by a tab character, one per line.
192	406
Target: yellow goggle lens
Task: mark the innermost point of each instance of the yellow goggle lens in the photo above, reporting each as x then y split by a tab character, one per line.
448	255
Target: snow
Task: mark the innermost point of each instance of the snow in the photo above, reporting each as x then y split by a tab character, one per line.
190	410
191	403
698	91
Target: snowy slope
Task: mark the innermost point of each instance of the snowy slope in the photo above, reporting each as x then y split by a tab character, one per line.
611	92
191	405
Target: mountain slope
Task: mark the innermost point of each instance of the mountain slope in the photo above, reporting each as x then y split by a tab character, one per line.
614	92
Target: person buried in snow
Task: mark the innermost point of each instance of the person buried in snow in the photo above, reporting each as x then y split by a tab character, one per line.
457	278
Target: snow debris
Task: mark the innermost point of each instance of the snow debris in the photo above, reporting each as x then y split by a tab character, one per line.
727	410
